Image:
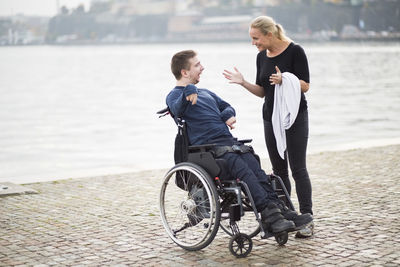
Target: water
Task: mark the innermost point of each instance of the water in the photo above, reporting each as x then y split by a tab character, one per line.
81	111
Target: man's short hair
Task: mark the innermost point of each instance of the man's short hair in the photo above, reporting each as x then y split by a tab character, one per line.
180	61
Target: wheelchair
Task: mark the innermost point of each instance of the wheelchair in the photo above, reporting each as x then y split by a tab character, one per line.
198	196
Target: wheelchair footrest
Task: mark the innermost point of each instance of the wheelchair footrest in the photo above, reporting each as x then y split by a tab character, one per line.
266	235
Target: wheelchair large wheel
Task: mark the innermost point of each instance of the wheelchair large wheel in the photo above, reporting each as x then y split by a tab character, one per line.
189	206
248	222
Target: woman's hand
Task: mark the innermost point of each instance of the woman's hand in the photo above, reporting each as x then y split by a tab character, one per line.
304	86
276	78
234	77
237	77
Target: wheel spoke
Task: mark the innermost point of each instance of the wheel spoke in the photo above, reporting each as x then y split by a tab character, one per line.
240	245
189	201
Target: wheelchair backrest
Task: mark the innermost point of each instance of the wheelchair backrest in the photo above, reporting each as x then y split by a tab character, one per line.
201	155
181	149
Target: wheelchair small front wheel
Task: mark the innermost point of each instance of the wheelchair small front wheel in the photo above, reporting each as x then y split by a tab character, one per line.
240	245
189	206
282	238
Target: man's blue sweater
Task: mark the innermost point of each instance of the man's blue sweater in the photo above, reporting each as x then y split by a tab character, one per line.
206	119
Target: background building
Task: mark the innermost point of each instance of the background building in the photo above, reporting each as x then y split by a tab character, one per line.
125	21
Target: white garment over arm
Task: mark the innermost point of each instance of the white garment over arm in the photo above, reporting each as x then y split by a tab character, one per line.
286	107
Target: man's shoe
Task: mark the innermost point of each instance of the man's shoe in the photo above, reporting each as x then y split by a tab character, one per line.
307	231
299	220
274	220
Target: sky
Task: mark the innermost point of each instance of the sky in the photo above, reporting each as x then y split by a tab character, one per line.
37	7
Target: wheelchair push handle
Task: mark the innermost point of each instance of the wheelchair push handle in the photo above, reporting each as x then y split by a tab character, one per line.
163	112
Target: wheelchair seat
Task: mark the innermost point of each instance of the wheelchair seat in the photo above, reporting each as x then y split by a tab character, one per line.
203	156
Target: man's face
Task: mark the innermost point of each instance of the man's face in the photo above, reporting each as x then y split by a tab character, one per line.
193	74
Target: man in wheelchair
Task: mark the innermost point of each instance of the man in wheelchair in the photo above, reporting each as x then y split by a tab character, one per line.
208	119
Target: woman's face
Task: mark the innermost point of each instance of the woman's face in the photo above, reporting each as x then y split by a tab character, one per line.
258	39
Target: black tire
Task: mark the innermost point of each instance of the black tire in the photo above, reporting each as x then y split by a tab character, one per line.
240	245
189	206
282	238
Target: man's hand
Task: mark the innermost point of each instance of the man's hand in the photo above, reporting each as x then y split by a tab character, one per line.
192	98
230	122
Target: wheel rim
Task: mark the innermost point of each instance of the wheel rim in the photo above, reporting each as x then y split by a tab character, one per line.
189	214
240	245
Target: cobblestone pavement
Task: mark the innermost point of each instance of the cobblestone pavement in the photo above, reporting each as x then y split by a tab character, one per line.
113	220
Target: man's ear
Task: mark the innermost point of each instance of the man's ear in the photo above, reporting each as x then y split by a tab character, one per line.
184	73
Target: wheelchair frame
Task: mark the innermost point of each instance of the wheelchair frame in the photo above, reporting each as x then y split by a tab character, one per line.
194	202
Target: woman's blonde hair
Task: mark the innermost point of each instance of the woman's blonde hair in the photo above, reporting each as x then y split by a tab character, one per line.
267	24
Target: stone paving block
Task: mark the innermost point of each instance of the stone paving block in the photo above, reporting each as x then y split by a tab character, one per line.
10	189
113	220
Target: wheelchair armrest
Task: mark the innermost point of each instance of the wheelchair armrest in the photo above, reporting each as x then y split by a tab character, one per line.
244	141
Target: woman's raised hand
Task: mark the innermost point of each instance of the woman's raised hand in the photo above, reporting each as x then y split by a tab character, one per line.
234	77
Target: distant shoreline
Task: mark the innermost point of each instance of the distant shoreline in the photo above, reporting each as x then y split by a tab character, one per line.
392	39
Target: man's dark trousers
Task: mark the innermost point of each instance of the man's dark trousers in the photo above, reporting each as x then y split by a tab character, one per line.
246	168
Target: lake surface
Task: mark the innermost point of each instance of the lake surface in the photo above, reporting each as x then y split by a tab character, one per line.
74	111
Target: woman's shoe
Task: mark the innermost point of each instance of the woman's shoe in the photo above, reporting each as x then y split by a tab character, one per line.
307	231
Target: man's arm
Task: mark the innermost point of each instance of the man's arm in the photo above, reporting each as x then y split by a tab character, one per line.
178	100
227	111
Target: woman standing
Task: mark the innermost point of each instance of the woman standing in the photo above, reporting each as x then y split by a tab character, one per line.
279	54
